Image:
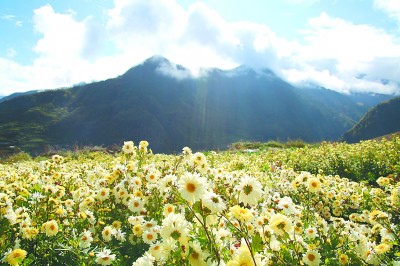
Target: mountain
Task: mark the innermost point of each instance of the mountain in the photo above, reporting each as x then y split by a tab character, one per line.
161	102
380	120
17	94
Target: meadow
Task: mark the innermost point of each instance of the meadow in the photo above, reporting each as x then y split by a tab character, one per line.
325	204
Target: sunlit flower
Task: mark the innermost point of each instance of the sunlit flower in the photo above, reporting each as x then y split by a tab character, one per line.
213	202
107	233
382	248
280	224
314	185
135	204
192	186
50	228
241	214
343	259
311	233
85	239
250	190
105	257
149	237
128	147
16	256
312	257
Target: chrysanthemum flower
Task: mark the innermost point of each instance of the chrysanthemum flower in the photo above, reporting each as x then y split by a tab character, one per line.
314	185
213	202
156	250
149	236
197	256
128	147
16	256
50	228
85	239
135	204
192	187
382	248
105	257
343	259
107	233
103	194
168	209
311	233
312	258
137	230
176	227
280	224
250	190
241	214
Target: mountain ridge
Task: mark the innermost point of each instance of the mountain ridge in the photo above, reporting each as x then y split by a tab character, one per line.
383	119
172	109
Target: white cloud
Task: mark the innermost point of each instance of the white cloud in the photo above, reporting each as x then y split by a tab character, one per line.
392	7
334	53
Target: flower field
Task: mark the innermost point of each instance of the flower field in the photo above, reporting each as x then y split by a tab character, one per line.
335	204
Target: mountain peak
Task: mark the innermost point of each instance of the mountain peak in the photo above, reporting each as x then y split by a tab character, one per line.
156	59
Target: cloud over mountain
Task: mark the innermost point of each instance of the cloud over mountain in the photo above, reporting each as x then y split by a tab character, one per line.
332	53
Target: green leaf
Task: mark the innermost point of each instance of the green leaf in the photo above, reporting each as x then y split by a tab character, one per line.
256	243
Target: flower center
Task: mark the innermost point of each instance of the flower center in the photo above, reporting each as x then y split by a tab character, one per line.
311	257
191	187
247	189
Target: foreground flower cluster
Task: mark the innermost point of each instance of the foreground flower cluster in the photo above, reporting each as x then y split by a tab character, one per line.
142	209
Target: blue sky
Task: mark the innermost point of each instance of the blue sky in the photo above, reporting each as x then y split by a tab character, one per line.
344	45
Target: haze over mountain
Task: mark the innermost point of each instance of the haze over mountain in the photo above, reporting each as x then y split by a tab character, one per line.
381	120
161	102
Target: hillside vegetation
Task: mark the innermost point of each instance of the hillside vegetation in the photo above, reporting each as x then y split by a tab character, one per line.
160	102
239	207
381	120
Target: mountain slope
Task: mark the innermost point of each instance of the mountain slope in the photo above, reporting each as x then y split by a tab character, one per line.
380	120
159	102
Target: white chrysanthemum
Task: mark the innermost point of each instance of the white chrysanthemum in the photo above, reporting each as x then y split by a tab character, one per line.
105	257
128	147
311	233
176	227
102	194
108	232
166	183
157	250
286	204
199	159
135	204
213	202
192	186
312	257
280	224
250	190
86	239
149	236
153	176
146	260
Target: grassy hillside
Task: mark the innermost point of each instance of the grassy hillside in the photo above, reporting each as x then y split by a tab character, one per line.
209	112
381	120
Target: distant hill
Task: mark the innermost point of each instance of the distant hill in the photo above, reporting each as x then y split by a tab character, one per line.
160	102
17	94
381	120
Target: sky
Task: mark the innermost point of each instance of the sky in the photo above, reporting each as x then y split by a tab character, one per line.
343	45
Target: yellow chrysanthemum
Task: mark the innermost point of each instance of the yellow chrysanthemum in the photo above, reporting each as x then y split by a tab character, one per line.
242	214
16	256
280	224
